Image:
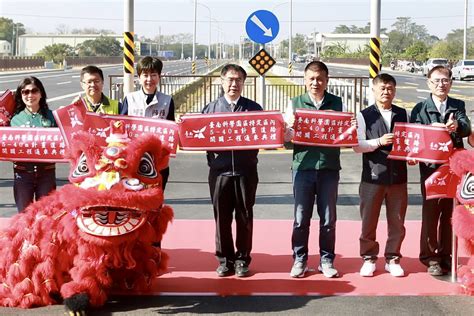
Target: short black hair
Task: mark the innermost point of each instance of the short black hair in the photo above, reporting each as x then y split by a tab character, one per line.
441	68
149	64
384	78
317	66
233	67
91	69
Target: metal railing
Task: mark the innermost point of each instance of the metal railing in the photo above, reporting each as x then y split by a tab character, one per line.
192	92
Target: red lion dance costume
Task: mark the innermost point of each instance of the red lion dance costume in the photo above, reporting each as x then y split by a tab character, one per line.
462	164
93	235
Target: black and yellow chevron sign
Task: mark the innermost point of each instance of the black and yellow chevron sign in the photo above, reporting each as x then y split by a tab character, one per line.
290	67
193	67
128	52
374	57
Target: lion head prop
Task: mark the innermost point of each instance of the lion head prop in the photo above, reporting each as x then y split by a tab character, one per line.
94	235
462	163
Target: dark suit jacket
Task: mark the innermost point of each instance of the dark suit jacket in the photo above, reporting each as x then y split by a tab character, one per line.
232	161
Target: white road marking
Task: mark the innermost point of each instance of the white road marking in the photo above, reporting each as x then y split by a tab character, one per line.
64	96
423	90
64	82
423	98
412	83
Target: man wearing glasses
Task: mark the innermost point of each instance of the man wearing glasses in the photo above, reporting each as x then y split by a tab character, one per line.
233	180
439	110
92	83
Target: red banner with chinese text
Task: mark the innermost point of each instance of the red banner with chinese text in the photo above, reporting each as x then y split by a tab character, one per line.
7	107
167	131
32	144
424	143
324	128
70	119
231	131
442	183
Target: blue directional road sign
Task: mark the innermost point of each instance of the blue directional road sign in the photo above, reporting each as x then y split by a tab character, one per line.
262	26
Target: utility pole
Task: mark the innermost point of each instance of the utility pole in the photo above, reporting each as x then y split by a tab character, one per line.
290	59
375	53
193	66
464	52
128	48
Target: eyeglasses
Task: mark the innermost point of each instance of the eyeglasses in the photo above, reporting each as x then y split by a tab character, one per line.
28	91
91	82
438	81
230	80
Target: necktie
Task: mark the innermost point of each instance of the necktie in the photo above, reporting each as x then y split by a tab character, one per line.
442	108
232	106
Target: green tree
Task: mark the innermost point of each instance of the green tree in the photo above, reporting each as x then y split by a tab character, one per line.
56	52
404	34
8	29
417	51
101	46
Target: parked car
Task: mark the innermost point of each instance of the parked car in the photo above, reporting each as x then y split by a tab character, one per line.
432	62
463	69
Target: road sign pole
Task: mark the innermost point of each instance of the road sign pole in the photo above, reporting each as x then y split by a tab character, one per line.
375	52
263	92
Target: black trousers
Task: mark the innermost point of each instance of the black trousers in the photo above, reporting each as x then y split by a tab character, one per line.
436	230
229	194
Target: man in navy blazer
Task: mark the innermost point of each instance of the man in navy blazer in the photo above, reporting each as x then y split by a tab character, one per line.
439	110
233	180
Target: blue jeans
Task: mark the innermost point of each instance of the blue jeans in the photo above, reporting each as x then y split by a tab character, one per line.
308	186
31	186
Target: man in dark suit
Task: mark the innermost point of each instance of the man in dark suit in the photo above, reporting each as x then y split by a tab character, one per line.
439	110
233	180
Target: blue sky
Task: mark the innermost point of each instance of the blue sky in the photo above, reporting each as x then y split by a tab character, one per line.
228	17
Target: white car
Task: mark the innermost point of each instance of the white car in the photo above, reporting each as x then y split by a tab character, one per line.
432	62
463	69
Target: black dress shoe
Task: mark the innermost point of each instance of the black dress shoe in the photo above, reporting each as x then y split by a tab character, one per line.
223	271
241	269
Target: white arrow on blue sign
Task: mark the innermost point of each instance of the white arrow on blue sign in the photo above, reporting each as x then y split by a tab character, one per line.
262	26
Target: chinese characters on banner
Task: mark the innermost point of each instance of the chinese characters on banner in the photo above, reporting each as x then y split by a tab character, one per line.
442	183
70	119
32	144
167	131
7	106
424	143
324	128
231	131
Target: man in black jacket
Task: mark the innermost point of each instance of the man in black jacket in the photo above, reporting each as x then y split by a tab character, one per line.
382	179
233	180
439	110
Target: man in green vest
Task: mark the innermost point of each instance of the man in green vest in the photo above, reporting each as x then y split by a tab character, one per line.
315	177
92	83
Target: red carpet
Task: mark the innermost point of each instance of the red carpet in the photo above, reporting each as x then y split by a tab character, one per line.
190	245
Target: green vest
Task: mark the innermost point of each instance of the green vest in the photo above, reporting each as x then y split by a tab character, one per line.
108	106
316	157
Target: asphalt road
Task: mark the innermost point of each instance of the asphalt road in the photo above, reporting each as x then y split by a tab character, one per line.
187	192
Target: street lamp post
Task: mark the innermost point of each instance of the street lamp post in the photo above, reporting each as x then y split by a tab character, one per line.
193	69
210	26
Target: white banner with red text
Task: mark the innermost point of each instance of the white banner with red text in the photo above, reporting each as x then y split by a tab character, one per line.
424	143
231	131
324	128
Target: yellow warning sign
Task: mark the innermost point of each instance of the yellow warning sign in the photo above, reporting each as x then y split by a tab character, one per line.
262	62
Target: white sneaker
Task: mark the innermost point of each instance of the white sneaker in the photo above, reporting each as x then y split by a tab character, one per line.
368	269
395	269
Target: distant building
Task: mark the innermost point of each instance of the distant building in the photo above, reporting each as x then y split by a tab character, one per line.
352	42
30	44
5	48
